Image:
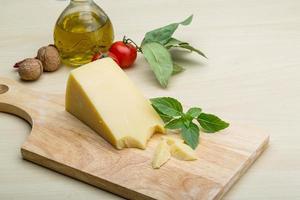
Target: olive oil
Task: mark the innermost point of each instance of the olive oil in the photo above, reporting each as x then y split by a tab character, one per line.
81	34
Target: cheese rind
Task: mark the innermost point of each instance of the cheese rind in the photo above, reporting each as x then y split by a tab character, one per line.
161	155
102	96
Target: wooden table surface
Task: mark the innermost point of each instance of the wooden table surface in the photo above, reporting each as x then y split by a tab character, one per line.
252	76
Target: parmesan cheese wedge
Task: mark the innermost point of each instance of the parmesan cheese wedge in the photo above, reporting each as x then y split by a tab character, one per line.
182	151
161	155
102	96
172	140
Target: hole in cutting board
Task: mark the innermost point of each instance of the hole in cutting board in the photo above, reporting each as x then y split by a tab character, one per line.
3	88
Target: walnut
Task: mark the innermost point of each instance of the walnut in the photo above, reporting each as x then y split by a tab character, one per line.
49	56
30	69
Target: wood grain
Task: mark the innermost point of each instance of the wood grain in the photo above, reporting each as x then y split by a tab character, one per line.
61	142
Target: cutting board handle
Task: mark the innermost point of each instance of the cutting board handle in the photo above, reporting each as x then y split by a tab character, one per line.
14	99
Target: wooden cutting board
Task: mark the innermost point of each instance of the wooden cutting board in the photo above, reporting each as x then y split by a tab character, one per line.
62	143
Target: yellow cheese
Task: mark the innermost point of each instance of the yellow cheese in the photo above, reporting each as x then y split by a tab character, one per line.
171	140
102	96
161	155
182	151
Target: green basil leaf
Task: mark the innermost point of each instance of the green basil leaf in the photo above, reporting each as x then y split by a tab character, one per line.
190	135
194	112
211	123
163	34
177	69
189	47
175	124
187	122
167	105
173	42
160	61
163	116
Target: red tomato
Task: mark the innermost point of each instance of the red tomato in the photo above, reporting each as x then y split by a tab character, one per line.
125	53
100	55
114	57
97	56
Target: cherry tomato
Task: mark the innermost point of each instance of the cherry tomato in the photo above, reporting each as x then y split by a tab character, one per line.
100	55
114	57
97	56
125	52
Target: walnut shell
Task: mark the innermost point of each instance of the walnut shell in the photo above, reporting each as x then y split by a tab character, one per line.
30	69
49	56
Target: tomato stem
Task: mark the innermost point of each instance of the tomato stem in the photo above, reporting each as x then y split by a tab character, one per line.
128	40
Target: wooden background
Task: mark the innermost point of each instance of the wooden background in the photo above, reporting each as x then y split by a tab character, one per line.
252	76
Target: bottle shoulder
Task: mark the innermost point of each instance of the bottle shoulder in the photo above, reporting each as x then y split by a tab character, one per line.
83	12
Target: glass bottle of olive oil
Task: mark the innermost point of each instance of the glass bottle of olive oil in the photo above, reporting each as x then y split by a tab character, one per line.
82	30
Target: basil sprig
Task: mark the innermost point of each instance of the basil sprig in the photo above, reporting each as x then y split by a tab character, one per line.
171	111
155	46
